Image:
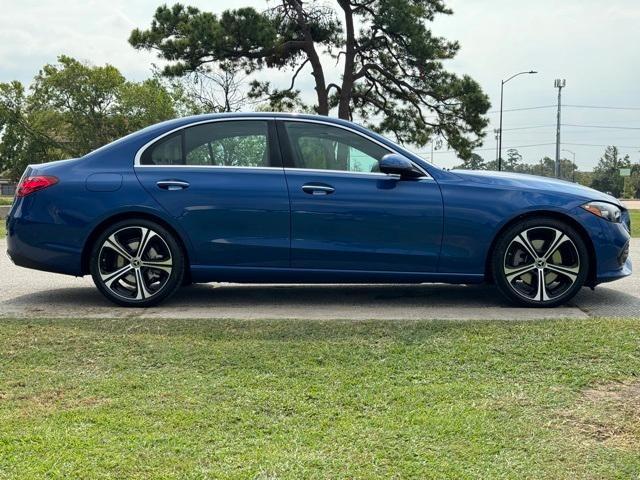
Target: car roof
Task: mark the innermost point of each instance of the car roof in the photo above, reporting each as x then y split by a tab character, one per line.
177	122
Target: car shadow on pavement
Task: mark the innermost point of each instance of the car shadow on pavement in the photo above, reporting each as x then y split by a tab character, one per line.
318	301
220	295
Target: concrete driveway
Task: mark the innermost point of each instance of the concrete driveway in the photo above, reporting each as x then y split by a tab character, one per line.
28	293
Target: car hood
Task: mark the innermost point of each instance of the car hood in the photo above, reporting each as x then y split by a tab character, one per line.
534	182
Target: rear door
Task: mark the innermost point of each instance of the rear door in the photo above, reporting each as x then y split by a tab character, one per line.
224	182
345	215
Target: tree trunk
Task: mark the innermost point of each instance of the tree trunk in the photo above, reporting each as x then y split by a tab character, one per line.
314	59
318	75
344	107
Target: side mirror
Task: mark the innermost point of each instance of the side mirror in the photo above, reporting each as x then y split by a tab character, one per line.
394	164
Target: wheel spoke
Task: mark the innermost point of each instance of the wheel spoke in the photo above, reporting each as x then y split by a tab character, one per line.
523	240
514	272
542	294
146	235
110	278
142	291
114	244
559	239
164	265
570	272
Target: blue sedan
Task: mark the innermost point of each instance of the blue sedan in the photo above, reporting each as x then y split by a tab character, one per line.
273	198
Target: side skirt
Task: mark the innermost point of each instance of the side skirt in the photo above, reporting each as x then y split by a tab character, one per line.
202	274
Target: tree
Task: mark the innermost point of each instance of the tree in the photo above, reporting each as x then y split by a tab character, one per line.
392	76
474	162
72	108
512	162
214	91
606	175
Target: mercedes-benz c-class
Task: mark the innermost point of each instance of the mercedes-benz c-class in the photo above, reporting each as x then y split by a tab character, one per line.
285	198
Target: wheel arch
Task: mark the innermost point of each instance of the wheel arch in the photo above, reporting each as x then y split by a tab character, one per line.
593	267
102	225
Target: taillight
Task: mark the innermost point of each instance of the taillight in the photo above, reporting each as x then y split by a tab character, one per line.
29	185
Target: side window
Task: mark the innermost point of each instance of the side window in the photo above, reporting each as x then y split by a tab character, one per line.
167	151
229	143
324	147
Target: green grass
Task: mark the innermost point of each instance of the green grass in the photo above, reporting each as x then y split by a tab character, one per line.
136	398
6	200
635	223
3	229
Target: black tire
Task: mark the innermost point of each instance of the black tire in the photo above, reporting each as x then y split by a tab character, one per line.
118	268
517	273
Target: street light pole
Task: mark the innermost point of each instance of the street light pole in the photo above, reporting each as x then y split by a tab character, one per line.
573	164
501	103
559	84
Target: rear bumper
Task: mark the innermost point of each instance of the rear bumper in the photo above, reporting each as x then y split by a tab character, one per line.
27	246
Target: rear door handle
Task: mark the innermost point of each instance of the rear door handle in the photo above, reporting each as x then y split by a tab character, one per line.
317	189
172	184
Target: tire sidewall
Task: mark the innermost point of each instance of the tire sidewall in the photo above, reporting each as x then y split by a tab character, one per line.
505	240
177	255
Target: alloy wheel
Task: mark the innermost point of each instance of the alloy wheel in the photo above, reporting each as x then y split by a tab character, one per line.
541	264
135	263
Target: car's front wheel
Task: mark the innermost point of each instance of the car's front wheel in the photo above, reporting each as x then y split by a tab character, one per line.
540	262
137	263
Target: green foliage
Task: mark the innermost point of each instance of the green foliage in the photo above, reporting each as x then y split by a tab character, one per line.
296	399
514	163
71	109
606	175
632	183
474	162
635	223
393	75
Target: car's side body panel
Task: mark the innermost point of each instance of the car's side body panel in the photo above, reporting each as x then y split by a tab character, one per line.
370	222
233	216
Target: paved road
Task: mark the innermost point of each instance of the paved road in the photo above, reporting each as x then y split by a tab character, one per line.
28	293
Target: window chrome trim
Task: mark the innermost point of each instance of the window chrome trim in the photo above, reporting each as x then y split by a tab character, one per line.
141	150
352	130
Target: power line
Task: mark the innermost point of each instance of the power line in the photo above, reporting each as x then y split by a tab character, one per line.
522	109
527	128
599	126
601	145
599	107
489	149
612	127
603	107
534	145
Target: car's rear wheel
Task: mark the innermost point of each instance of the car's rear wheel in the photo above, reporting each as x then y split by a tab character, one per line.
137	263
540	262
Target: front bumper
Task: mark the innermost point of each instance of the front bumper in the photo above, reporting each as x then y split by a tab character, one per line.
611	243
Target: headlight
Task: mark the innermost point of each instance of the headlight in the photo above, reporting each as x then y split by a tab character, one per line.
608	211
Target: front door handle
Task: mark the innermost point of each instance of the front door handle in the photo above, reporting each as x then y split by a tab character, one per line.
172	184
318	189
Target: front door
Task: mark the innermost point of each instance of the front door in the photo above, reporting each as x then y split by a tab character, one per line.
224	182
345	215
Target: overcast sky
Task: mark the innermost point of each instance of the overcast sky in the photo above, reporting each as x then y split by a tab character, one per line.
594	44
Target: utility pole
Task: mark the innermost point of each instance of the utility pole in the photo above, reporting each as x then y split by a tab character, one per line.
559	84
497	132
